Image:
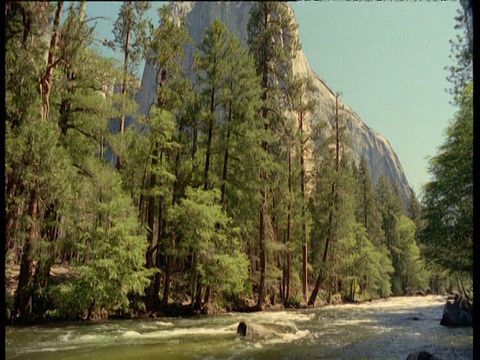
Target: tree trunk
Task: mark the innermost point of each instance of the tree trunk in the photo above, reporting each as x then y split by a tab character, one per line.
289	274
66	103
40	283
289	226
150	258
225	158
316	289
12	214
156	281
209	139
329	291
263	227
273	296
304	225
46	80
263	175
263	252
352	291
208	292
334	193
126	59
82	10
198	295
194	139
23	299
166	286
320	278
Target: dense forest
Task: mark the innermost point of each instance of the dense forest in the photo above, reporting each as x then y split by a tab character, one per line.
221	197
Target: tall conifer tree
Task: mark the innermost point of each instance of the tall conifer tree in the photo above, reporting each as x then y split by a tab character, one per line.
272	41
130	31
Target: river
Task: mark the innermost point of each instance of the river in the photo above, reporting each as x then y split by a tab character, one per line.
382	329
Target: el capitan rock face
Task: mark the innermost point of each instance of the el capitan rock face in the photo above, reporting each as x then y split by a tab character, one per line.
379	153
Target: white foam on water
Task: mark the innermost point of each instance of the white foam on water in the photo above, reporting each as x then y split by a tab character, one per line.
66	337
288	337
163	323
351	321
155	325
179	332
396	303
285	316
232	327
48	349
85	339
143	326
89	337
130	334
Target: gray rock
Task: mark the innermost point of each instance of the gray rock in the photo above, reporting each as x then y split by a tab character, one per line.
258	331
421	355
458	313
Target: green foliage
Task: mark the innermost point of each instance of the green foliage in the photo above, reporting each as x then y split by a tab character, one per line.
130	31
26	24
202	228
113	249
166	51
368	212
400	240
410	275
461	73
367	265
448	198
274	41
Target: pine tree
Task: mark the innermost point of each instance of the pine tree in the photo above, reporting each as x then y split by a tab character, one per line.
299	89
229	94
272	41
130	31
335	153
212	59
410	275
414	211
448	198
207	236
368	214
400	240
166	52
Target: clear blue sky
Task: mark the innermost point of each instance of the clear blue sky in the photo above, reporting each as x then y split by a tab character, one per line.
387	58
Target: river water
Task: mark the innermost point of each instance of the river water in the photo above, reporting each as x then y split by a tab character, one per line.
382	329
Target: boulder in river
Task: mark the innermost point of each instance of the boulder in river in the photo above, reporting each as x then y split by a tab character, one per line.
258	331
458	313
421	355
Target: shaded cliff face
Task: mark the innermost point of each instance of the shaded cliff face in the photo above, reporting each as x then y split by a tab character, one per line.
364	140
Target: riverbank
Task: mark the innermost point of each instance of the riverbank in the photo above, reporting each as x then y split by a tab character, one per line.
60	272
